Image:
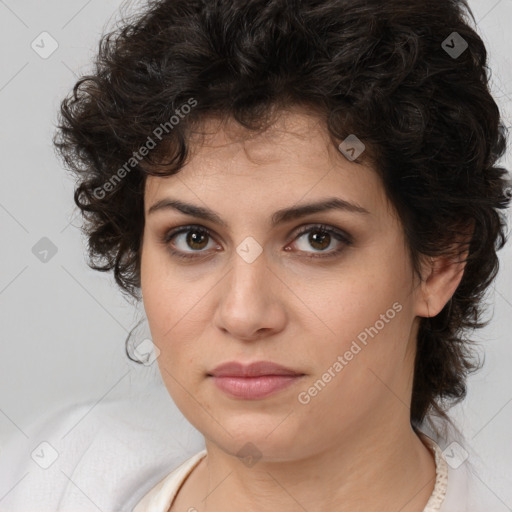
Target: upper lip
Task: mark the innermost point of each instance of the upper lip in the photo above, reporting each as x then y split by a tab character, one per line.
258	368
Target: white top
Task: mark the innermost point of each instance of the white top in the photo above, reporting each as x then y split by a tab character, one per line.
132	453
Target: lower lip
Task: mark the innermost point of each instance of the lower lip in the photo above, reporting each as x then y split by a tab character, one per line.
254	388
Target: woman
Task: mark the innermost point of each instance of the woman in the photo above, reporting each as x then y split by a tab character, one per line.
305	196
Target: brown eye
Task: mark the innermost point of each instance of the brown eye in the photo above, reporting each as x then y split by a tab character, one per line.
187	240
320	238
196	239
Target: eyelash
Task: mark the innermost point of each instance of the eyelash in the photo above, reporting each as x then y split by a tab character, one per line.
320	228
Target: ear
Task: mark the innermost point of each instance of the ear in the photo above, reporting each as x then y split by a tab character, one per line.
441	277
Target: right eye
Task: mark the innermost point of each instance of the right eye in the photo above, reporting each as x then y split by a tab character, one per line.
193	239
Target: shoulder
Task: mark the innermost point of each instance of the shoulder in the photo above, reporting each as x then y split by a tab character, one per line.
470	490
35	462
106	452
472	485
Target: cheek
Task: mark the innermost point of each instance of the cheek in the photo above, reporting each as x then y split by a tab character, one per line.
365	321
161	300
176	309
348	304
161	288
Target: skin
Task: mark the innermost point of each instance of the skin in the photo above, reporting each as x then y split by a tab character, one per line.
351	447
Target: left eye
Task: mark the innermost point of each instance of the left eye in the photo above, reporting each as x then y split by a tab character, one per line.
197	238
320	238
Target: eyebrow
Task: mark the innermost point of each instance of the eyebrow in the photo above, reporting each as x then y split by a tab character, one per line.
279	217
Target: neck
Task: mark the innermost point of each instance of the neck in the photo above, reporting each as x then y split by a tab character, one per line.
388	469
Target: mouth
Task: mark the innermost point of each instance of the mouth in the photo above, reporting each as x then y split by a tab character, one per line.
254	388
254	381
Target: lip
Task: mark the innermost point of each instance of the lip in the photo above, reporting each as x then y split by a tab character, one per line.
256	369
253	381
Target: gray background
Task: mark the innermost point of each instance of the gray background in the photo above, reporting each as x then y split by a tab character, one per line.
63	326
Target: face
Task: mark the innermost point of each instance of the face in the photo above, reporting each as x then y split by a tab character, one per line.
338	306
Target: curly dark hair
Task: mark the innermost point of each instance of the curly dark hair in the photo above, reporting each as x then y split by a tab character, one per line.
409	78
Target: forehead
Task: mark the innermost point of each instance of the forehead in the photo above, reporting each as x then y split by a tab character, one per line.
293	131
294	159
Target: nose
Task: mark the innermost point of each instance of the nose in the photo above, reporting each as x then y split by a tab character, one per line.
251	300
